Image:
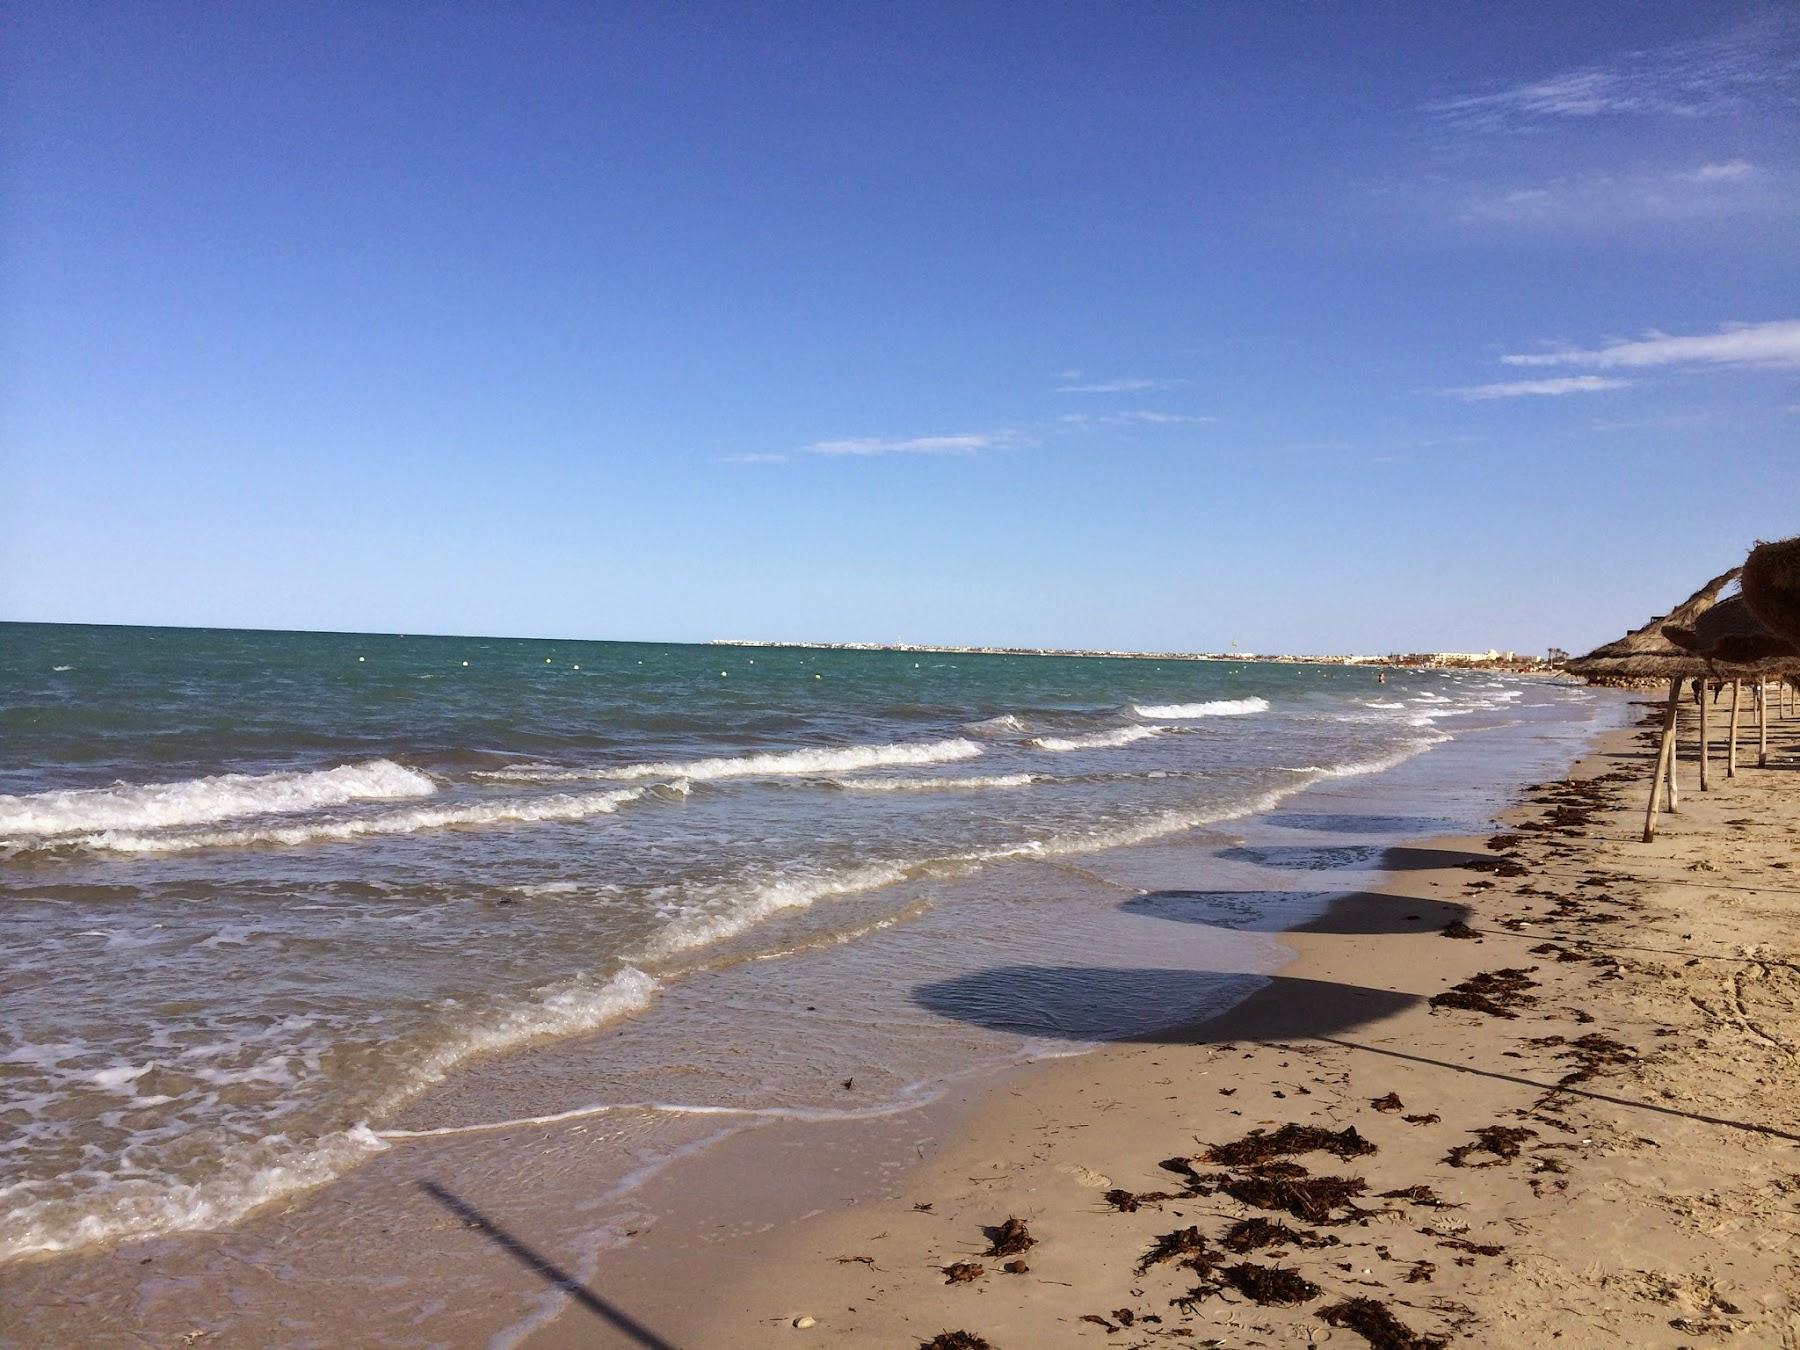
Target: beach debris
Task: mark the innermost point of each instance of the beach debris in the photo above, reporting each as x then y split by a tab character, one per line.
1186	1245
1502	1142
1015	1268
1508	866
1429	1118
1379	1327
1459	929
1248	1235
1261	1145
923	1206
1389	1103
804	1323
1270	1285
868	1261
1463	1244
1494	992
1127	1202
1421	1272
1420	1195
962	1272
954	1340
1098	1321
1010	1238
1308	1198
1124	1316
1501	843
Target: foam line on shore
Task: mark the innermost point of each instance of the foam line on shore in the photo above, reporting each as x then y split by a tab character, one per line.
768	764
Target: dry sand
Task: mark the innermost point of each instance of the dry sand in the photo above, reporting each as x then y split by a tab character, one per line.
1600	1150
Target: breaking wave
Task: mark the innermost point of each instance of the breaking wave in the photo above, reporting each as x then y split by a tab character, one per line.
1097	740
772	764
1004	780
1223	707
201	801
557	806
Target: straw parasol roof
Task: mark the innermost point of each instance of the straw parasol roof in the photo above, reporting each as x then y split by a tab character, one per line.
1646	653
1772	587
1730	632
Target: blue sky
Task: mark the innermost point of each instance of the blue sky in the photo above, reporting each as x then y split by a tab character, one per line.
1162	325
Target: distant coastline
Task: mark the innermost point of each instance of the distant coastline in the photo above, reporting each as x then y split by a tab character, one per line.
1511	662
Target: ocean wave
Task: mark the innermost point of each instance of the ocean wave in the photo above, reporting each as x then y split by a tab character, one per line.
252	1173
739	908
201	801
1222	707
995	726
556	806
771	764
1357	768
970	783
1098	740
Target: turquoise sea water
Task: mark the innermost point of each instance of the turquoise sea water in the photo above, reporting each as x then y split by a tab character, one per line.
261	894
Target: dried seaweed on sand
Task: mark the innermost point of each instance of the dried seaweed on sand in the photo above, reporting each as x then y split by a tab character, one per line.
1379	1327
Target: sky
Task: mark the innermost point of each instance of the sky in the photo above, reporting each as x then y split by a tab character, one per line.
1166	326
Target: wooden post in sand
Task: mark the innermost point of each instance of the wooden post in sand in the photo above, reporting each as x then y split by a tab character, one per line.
1664	749
1731	737
1705	749
1762	724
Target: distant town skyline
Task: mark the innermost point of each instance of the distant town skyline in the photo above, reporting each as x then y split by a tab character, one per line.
1160	328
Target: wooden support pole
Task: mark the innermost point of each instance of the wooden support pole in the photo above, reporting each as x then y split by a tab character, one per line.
1762	724
1663	748
1705	749
1731	736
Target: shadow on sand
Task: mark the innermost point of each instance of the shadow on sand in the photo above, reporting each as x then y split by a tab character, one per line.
1153	1005
632	1330
1282	911
1346	823
1333	857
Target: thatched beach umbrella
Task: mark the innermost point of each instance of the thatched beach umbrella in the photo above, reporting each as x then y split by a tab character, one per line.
1772	587
1730	634
1646	653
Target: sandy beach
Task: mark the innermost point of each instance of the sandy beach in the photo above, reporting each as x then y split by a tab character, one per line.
1575	1124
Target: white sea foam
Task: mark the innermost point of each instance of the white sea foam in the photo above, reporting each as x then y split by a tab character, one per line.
252	1172
970	783
1223	707
555	806
731	912
201	801
1098	740
772	764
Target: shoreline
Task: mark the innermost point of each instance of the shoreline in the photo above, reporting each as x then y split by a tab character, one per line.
1342	1025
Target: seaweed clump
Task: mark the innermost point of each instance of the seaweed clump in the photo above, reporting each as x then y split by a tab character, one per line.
1502	1142
1260	1146
962	1272
1010	1238
1310	1198
956	1340
1379	1327
1270	1285
1494	992
1185	1245
1248	1235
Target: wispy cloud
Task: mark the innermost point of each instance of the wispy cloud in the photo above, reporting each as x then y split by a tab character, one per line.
1750	66
755	457
1737	344
1612	200
1131	384
1566	384
1142	418
972	443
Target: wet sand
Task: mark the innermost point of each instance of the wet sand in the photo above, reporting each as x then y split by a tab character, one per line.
1593	1140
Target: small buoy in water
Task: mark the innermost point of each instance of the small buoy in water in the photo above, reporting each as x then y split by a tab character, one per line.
804	1322
465	663
723	674
578	665
818	677
546	660
362	658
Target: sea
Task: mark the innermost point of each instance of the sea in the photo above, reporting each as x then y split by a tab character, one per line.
273	905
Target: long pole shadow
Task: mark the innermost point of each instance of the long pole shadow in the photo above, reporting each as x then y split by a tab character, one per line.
541	1265
1748	1127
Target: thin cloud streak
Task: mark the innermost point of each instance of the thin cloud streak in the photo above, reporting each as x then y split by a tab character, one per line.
1551	388
1751	66
969	444
1127	385
1134	418
1737	344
